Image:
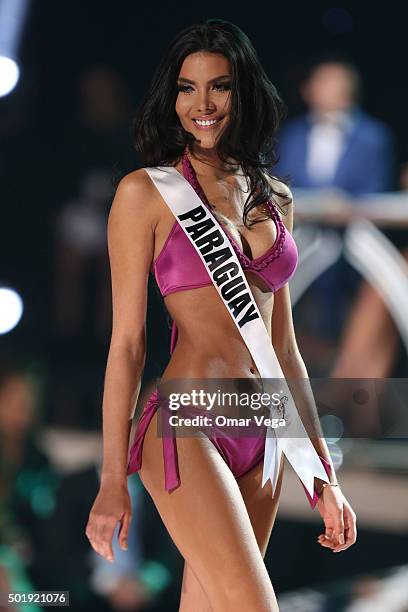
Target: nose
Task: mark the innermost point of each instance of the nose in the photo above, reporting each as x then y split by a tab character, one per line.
204	102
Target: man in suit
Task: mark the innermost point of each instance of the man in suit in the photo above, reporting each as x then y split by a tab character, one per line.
335	144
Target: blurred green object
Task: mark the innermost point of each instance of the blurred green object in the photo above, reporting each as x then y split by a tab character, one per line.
155	576
14	568
39	486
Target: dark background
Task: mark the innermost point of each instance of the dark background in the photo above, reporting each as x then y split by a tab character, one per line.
39	162
44	153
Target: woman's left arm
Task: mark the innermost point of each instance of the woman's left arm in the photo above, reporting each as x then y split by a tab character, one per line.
290	359
336	512
296	375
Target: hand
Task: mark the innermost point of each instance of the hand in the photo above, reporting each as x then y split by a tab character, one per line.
112	504
339	519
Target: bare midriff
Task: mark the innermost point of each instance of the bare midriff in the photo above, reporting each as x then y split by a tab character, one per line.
209	344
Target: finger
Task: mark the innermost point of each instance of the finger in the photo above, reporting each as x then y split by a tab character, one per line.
326	542
107	537
350	532
124	531
90	531
339	526
329	533
350	521
106	527
97	540
340	547
323	537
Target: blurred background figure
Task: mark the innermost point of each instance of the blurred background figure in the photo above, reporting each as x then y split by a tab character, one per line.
96	141
28	484
96	133
334	144
370	344
81	262
48	477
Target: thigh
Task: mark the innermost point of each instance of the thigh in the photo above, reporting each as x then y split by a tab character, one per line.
208	521
262	509
261	506
193	595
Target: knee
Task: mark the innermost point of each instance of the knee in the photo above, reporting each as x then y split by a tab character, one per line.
251	592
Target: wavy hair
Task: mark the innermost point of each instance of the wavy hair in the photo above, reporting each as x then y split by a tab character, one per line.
256	109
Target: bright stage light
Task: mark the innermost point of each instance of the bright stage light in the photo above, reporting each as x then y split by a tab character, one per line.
9	75
333	428
13	15
336	454
11	309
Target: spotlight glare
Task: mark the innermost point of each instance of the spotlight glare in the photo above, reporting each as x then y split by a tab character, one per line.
333	428
9	75
11	309
336	455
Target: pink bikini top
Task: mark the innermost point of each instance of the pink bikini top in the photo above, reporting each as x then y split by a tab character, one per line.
178	266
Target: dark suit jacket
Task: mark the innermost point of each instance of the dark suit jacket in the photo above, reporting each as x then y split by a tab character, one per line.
365	166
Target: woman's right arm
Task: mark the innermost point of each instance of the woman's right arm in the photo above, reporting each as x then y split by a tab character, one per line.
131	227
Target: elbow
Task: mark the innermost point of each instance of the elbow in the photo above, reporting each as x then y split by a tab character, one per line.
130	348
290	358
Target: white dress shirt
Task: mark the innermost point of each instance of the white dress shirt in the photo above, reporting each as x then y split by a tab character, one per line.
325	144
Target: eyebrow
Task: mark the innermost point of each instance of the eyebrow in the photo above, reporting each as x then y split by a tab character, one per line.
218	78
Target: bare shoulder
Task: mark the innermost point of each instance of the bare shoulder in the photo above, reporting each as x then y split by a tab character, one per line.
130	246
284	198
132	214
137	181
131	231
136	199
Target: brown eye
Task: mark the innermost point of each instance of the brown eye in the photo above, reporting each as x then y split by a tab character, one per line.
222	86
184	88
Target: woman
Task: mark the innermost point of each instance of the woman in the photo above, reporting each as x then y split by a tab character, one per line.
210	112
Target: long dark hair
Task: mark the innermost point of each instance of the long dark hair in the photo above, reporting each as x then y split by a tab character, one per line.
256	109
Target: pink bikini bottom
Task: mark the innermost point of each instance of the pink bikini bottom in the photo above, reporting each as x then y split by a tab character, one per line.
240	453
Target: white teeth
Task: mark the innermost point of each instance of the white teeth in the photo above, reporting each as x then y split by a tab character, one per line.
207	122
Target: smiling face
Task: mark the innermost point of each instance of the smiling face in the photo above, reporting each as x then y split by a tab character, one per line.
204	96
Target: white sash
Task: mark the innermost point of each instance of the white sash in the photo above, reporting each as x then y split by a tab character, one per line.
209	240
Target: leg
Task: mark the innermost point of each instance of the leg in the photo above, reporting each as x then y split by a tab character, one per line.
193	596
262	509
209	523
